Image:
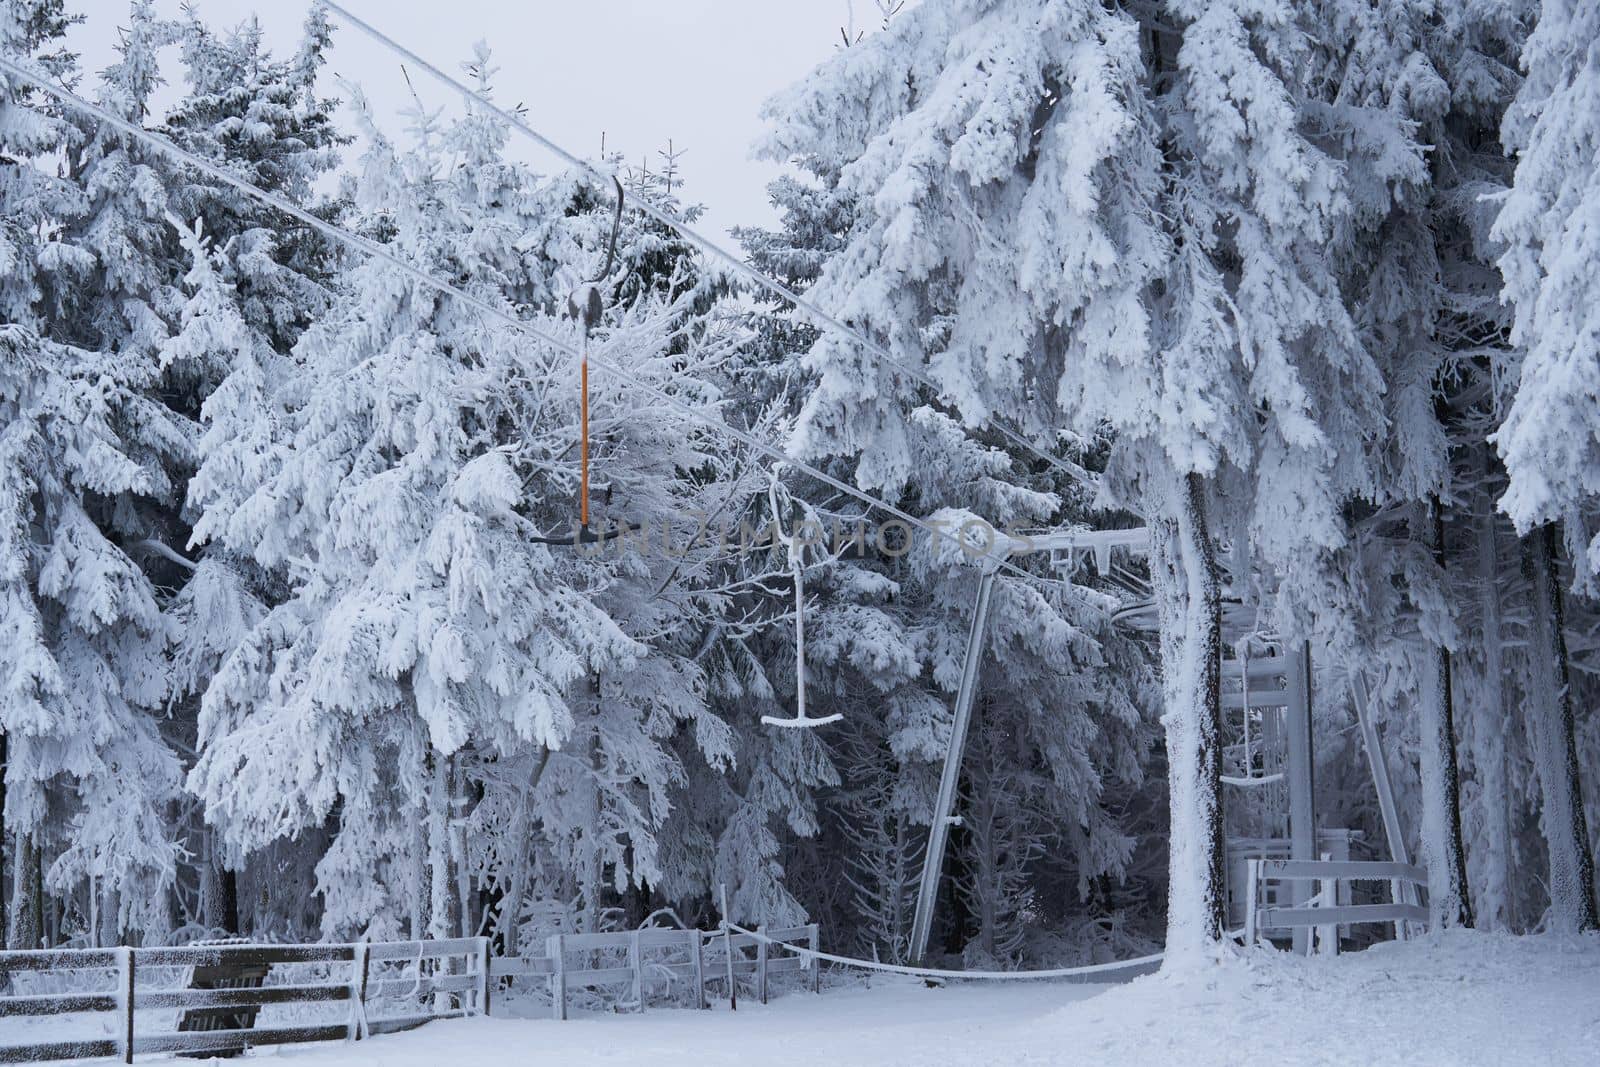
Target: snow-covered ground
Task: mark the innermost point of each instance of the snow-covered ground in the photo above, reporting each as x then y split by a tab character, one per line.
1458	999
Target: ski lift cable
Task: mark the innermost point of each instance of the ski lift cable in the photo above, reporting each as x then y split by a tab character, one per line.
1012	434
377	251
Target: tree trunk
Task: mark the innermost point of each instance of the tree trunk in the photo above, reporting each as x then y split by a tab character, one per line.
1189	599
219	889
458	850
5	767
27	895
1550	729
1489	734
1443	851
439	894
419	864
510	911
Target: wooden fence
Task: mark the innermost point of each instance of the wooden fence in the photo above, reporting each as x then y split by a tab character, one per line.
450	977
416	981
641	960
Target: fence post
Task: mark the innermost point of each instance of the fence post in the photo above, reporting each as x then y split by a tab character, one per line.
1399	896
761	965
727	946
358	991
638	971
127	994
1328	896
698	956
483	962
813	942
1252	888
558	977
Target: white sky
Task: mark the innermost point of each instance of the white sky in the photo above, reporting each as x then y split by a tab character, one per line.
641	71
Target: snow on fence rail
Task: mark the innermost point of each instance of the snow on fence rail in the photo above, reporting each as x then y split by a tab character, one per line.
424	980
1323	911
692	957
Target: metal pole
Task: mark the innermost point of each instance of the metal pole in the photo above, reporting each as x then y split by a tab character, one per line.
727	944
127	993
1302	815
761	971
1403	893
939	832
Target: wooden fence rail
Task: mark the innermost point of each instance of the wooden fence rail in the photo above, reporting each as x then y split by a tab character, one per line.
690	958
452	977
447	978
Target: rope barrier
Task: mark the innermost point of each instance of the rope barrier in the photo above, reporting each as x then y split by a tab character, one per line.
990	976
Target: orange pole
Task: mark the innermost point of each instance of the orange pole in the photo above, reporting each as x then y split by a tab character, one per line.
583	500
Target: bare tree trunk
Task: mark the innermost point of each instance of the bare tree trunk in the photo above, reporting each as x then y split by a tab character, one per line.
439	897
5	767
1550	726
419	866
1442	847
592	872
219	888
517	887
458	849
27	894
1189	599
1489	733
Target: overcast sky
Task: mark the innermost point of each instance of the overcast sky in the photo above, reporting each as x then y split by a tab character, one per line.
641	71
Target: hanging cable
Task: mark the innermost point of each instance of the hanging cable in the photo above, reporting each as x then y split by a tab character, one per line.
666	218
377	251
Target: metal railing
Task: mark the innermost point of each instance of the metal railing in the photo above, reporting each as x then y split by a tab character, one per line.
1324	912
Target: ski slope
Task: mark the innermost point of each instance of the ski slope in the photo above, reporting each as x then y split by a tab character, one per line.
1459	999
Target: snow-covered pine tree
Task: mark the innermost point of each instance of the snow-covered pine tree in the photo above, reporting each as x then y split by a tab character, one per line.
434	664
1551	437
887	634
92	454
253	286
31	199
1040	192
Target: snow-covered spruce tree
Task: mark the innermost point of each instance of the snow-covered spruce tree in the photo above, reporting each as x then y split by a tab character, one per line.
1550	440
92	452
1041	192
434	665
31	199
1006	172
1429	312
1551	437
253	285
886	636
